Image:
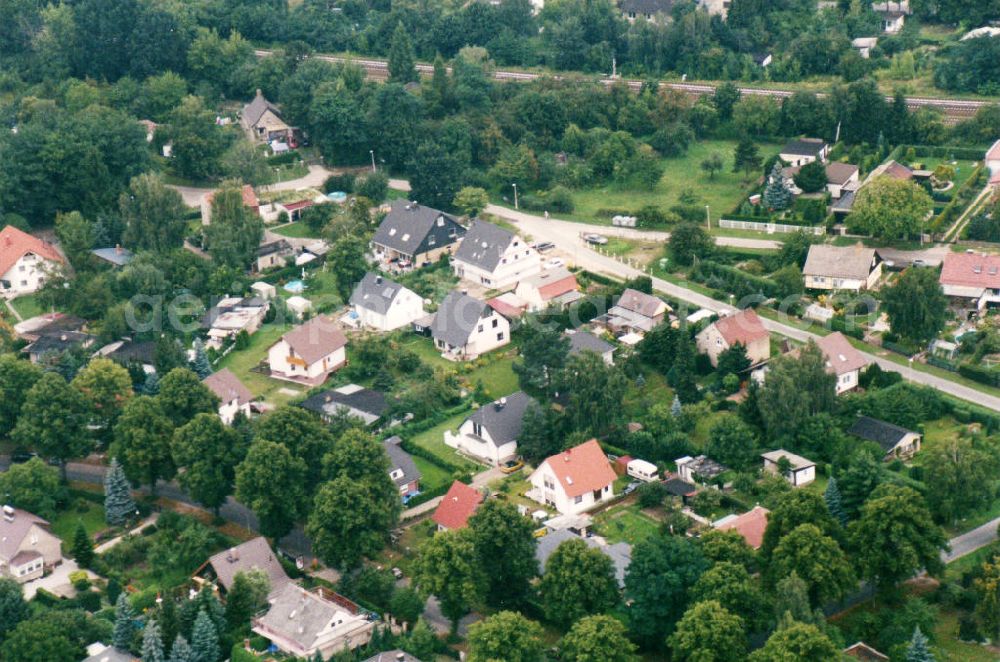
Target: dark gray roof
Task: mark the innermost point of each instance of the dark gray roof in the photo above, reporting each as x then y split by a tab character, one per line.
457	318
375	292
277	246
410	228
143	351
582	341
647	6
619	553
367	404
116	255
678	487
253	111
59	341
886	435
400	459
503	419
804	147
484	245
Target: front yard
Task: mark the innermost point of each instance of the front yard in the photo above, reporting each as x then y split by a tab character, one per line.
28	306
243	362
625	523
432	441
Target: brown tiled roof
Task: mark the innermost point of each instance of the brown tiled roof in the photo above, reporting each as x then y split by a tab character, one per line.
254	554
13	531
839	173
841	356
863	651
751	525
315	339
584	468
744	327
228	387
639	302
458	505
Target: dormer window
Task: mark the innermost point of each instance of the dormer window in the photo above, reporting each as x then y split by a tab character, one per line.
392	232
406	237
440	221
431	240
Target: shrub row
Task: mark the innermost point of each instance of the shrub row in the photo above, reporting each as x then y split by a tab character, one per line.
944	364
285	158
980	374
739	282
898	348
852	330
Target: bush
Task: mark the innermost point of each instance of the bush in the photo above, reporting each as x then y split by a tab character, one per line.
812	210
285	158
374	186
980	374
344	182
650	495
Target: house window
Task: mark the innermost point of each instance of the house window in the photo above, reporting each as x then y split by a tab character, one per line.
495	323
477	429
20	268
500	336
503	261
578	499
549	485
480	328
431	240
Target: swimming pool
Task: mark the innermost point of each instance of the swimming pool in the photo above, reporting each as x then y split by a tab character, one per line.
295	286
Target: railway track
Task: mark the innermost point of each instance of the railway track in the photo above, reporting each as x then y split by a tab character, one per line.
953	110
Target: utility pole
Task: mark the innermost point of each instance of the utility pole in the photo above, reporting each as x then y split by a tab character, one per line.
515	196
372	153
708	219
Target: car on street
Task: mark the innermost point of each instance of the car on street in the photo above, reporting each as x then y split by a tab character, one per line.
595	239
543	246
555	263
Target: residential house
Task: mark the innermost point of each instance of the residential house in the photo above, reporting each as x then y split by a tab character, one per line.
234	397
353	400
574	481
804	150
309	353
273	254
293	210
971	279
490	433
131	352
263	290
303	623
98	652
840	177
457	506
893	15
552	287
262	120
750	525
393	656
412	235
698	469
635	312
651	11
465	328
508	305
864	46
800	470
619	553
255	554
116	256
744	328
992	159
383	304
843	360
402	469
715	7
494	257
582	341
896	442
57	342
25	262
851	268
679	488
862	651
250	201
27	547
893	169
33	328
231	315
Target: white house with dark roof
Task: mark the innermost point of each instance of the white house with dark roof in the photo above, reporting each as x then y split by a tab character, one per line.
804	150
221	569
383	304
851	268
651	11
490	433
234	397
582	341
412	235
464	328
351	399
800	470
893	14
303	623
309	353
494	257
27	547
897	442
402	469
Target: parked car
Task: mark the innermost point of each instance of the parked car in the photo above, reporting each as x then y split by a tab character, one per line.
631	487
594	238
543	246
510	466
20	457
555	263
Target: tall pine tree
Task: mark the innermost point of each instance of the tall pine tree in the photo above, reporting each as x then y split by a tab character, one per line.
776	195
201	365
152	644
681	375
118	503
675	407
205	639
151	386
746	157
919	649
121	635
401	58
83	549
834	502
181	651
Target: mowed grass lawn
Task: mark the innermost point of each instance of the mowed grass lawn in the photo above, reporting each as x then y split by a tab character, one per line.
296	230
625	524
432	441
242	362
431	475
28	306
721	193
80	509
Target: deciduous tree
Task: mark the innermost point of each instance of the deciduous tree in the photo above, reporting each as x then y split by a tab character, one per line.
507	636
916	305
13	608
107	387
578	581
598	638
447	568
817	559
142	442
153	215
731	586
661	574
182	396
351	518
689	241
889	208
235	232
732	442
708	633
505	543
801	642
271	482
53	420
796	389
32	486
16	379
207	452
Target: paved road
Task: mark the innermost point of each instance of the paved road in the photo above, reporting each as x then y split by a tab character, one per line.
481	479
317	175
971	541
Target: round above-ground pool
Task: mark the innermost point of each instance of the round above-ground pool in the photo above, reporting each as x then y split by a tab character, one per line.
336	196
295	286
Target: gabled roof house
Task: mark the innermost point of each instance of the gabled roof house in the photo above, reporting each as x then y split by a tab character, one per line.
402	469
494	257
575	480
383	304
852	268
457	506
745	328
255	554
465	328
27	547
233	396
25	262
412	235
491	432
309	353
552	287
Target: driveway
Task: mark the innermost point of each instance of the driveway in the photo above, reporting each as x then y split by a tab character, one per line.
58	582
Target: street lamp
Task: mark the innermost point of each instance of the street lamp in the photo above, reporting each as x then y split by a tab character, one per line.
372	153
708	219
515	196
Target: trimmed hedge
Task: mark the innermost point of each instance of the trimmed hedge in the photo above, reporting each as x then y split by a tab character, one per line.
898	348
739	282
980	374
852	330
944	364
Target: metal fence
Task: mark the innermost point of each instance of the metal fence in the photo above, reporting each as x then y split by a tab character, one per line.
770	228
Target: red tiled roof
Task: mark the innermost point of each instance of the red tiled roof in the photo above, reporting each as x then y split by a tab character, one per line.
744	327
15	244
971	270
750	525
301	204
555	288
457	506
898	171
582	469
507	310
249	197
841	357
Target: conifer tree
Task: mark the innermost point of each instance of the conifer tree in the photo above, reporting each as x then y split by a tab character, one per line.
919	649
118	503
83	549
152	644
181	651
151	386
681	376
401	58
201	365
121	636
204	639
675	408
834	502
776	195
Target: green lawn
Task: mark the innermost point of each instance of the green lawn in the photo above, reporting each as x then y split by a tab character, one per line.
296	231
431	475
625	524
28	306
721	193
497	378
79	509
432	440
242	362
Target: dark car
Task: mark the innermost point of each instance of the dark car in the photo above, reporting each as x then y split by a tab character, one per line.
20	457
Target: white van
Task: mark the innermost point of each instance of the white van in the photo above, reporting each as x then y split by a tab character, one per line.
642	470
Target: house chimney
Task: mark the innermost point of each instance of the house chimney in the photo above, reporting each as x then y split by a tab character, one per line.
260	92
8	513
118	249
378	280
401	656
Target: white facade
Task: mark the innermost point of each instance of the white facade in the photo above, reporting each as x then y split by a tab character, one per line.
406	307
228	410
285	363
848	381
817	282
546	488
26	276
518	261
490	332
474	439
